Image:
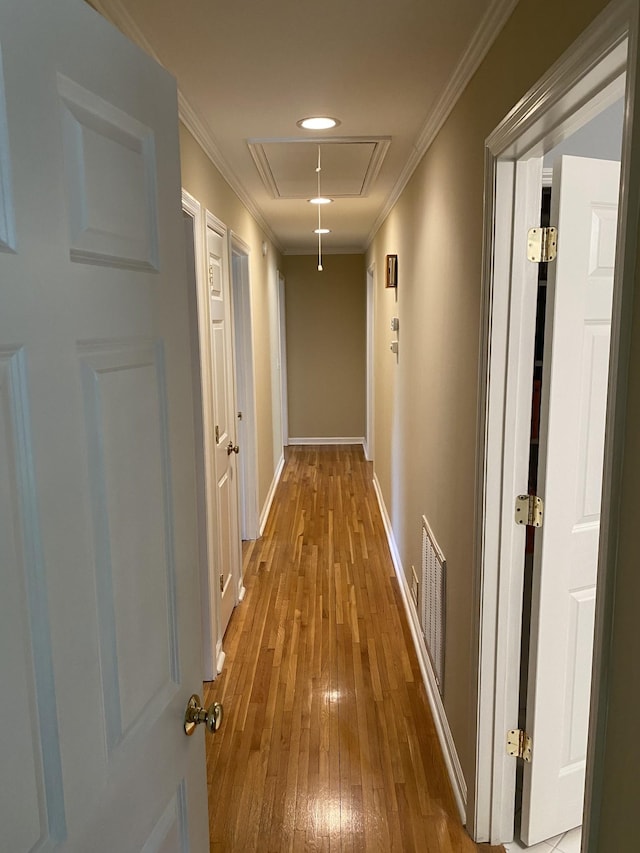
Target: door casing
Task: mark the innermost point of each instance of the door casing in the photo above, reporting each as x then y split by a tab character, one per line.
369	444
585	80
244	373
201	381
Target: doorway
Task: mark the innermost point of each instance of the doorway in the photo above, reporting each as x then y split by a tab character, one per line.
245	391
369	439
566	457
583	83
198	328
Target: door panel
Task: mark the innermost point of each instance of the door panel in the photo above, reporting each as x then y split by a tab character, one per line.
99	616
124	401
572	427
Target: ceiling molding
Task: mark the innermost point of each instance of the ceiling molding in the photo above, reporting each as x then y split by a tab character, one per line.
203	136
114	11
494	20
349	250
261	160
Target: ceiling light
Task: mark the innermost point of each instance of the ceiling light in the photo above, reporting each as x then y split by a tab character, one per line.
322	231
320	200
318	123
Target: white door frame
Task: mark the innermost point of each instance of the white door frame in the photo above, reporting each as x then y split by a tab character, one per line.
579	85
208	571
217	225
284	399
245	386
369	441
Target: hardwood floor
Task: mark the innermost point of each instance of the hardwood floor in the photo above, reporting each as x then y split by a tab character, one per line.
327	743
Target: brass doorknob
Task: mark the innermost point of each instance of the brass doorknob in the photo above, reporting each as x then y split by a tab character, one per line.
231	448
196	714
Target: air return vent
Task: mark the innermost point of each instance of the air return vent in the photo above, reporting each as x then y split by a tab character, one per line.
434	574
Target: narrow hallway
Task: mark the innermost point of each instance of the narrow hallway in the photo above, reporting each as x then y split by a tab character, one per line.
328	742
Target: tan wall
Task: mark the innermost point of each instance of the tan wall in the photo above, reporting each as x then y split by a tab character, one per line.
425	441
326	346
201	178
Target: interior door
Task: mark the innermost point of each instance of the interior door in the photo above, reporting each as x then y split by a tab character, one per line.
572	428
224	418
99	609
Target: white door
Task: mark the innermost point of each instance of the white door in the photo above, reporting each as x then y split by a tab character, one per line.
224	419
576	360
99	609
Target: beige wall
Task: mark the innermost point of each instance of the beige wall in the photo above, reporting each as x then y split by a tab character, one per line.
326	345
201	178
425	442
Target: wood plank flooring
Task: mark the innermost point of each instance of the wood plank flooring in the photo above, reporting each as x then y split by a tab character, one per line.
327	743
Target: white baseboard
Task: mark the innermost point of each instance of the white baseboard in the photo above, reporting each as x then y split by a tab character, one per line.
331	440
264	515
451	760
220	659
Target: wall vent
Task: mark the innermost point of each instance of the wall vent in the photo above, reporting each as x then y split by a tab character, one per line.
434	576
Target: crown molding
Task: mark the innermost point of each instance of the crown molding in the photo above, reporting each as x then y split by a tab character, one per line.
492	23
114	11
348	250
203	136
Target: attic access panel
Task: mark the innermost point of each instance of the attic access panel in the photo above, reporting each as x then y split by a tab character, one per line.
349	166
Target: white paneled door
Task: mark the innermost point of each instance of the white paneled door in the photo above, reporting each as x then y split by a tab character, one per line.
224	418
99	611
576	363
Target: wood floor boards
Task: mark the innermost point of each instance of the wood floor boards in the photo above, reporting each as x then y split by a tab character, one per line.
328	742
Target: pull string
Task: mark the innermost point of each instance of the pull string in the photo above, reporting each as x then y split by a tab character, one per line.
318	170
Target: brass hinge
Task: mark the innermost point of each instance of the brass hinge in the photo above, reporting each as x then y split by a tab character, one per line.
542	244
529	510
217	434
519	744
221	582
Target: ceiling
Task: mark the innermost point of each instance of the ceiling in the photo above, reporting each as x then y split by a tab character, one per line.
248	71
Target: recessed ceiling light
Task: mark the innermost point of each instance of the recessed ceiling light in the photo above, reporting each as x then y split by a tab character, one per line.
322	231
318	123
320	200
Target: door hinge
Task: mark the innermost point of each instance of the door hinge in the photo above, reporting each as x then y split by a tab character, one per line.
239	416
519	744
221	582
542	244
217	434
529	510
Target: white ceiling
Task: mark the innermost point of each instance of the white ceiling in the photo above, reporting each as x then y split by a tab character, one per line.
247	71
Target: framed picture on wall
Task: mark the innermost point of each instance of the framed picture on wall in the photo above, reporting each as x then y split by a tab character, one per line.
391	279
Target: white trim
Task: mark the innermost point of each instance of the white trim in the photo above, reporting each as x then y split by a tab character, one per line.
284	380
331	440
260	158
220	658
445	736
244	371
326	250
484	36
209	608
7	218
561	101
369	441
217	225
205	139
266	509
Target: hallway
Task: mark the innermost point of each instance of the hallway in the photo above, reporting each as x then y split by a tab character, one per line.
328	742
